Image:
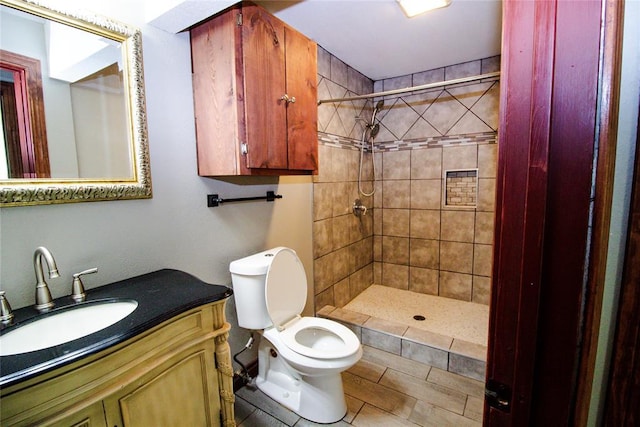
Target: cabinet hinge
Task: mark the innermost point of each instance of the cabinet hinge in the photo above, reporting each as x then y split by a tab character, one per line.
498	395
239	20
244	148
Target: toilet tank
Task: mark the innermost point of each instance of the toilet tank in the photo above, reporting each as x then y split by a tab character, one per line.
248	277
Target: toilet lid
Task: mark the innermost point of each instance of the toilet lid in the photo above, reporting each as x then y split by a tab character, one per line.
285	287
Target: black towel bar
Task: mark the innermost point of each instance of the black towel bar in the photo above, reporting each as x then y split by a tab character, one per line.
214	200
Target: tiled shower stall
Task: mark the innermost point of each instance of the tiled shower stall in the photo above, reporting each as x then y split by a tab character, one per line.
429	226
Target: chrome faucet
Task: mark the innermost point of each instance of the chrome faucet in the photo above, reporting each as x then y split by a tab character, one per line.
44	301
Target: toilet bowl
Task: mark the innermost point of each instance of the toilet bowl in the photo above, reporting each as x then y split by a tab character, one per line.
300	359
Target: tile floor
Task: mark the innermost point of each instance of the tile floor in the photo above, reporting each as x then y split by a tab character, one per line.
386	390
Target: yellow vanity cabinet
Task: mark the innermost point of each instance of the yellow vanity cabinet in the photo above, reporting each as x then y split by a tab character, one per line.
176	374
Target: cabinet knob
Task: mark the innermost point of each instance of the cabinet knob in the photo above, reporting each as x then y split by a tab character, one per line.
287	98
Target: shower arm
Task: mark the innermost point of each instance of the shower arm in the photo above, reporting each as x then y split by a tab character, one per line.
413	88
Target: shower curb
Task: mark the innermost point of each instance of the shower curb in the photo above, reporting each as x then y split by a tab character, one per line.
451	354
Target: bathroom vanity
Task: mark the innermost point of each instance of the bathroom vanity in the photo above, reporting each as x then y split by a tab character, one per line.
167	363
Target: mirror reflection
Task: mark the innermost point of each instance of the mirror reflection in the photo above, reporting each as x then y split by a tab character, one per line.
64	102
73	116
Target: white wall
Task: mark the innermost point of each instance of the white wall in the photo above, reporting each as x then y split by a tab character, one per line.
174	229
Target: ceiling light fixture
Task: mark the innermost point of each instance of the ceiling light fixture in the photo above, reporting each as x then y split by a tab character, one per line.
415	7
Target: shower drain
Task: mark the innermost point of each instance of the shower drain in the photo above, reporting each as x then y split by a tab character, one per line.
419	317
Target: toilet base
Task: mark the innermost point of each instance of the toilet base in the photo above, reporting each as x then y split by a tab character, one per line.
319	398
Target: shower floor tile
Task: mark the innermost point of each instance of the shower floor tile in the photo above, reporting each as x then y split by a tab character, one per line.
448	317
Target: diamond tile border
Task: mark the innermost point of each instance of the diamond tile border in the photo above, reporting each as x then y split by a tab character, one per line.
410	144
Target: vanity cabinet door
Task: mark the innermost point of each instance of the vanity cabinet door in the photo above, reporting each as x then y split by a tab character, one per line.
255	95
92	416
183	391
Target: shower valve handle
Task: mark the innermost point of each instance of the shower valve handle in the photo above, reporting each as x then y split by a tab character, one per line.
287	98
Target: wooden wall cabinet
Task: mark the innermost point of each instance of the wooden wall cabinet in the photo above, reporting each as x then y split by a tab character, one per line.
179	373
255	95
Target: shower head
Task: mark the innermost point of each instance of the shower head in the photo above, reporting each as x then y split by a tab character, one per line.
377	108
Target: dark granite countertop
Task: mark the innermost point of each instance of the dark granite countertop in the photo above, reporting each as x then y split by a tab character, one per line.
161	295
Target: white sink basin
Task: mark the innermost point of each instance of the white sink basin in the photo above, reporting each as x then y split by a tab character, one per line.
64	326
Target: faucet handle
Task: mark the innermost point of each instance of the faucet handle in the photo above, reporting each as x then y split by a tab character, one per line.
6	314
77	288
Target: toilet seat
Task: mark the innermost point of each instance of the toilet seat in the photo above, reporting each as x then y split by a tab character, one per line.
286	296
320	338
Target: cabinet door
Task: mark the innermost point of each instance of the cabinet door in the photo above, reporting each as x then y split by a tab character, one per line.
302	115
92	416
263	44
182	392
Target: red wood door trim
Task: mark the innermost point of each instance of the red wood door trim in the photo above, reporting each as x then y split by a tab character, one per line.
546	139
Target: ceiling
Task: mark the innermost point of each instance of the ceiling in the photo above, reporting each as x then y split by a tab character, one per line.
374	36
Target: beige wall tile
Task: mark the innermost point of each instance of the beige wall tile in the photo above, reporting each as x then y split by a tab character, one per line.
340	236
360	280
465	69
455	285
341	264
482	260
484	227
377	221
426	163
362	253
456	257
424	253
481	290
487	160
396	165
324	298
457	226
323	273
325	160
341	293
396	194
444	112
322	201
486	194
342	200
395	250
425	224
459	157
395	276
426	194
395	222
377	273
322	237
377	248
423	280
487	107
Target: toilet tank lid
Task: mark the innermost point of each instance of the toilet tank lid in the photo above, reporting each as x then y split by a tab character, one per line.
254	265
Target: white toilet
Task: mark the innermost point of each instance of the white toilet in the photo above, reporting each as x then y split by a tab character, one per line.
299	358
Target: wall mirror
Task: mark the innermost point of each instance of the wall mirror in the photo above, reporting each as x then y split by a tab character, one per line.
73	107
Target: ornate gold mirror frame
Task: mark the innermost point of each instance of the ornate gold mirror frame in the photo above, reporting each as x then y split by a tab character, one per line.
21	192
